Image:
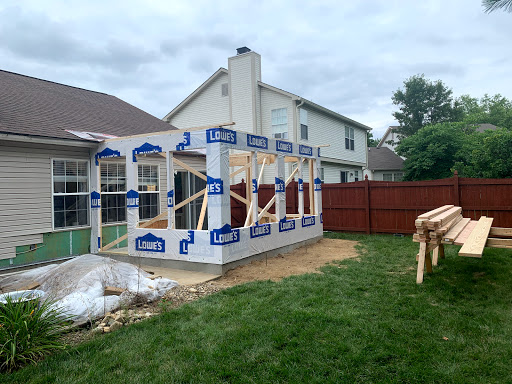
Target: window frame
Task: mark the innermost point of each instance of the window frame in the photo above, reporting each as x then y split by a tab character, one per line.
159	208
224	86
322	174
302	125
114	193
272	125
53	194
350	140
346	177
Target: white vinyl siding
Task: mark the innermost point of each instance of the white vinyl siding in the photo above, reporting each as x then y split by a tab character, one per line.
207	108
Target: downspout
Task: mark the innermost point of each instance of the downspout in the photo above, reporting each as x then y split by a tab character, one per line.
297	127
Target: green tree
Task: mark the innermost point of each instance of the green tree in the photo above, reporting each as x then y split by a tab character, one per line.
423	102
487	154
432	151
493	5
370	141
495	110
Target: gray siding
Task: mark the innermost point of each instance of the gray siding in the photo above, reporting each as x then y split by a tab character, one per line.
25	191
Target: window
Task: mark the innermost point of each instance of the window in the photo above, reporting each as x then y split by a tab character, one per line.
322	174
349	138
303	124
225	89
399	176
387	177
280	123
70	193
344	177
113	192
148	191
392	176
356	175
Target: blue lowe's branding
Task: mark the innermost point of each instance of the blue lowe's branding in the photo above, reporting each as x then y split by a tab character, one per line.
257	141
321	217
284	146
301	185
318	184
145	149
260	230
318	151
254	186
221	135
308	221
170	199
99	242
280	187
106	153
132	199
306	150
224	235
286	225
95	200
150	243
184	243
186	142
214	186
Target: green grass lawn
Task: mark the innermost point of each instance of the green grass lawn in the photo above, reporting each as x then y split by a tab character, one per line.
363	320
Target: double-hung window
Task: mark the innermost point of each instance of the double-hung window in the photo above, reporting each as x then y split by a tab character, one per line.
303	124
113	192
280	123
349	138
149	187
70	193
343	176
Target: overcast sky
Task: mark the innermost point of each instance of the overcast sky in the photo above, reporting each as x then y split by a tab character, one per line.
349	56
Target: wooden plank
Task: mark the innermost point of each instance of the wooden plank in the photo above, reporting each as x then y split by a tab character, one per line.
452	234
261	210
461	238
435	256
421	263
500	232
273	199
248	219
189	168
475	243
203	212
430	214
443	218
498	243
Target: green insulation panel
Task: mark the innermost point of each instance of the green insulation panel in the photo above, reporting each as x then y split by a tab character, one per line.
61	244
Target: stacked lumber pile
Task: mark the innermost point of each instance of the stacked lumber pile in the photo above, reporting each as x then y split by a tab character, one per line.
433	226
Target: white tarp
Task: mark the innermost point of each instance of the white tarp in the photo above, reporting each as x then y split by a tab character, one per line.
78	285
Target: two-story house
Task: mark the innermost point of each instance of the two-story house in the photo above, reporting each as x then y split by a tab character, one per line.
237	94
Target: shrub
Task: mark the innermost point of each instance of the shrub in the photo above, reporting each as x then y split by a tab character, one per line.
29	330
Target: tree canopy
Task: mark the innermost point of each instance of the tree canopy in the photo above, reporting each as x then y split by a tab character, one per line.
493	5
371	142
423	102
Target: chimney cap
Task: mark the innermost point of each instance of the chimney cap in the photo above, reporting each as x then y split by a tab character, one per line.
241	50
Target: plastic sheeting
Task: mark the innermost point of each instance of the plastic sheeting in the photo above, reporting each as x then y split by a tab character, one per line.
78	285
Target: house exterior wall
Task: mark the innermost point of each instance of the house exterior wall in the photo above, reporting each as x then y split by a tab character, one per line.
390	136
207	108
332	172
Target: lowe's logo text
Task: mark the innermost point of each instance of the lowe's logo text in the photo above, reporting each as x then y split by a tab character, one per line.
132	199
257	141
170	199
306	150
224	235
260	230
150	243
301	185
95	200
280	187
318	184
215	135
308	221
284	146
214	186
254	186
285	225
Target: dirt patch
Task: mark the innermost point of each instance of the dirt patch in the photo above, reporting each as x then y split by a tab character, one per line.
306	259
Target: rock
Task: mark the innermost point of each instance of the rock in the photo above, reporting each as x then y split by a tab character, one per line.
106	329
115	326
192	290
148	314
97	331
102	325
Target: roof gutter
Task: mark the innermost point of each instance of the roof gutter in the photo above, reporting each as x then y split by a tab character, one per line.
297	125
48	140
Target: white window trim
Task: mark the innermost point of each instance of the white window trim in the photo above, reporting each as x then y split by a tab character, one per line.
67	229
113	223
275	125
354	139
158	192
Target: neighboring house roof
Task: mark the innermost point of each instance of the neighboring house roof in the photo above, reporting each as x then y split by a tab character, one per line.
36	107
268	86
486	127
383	158
386	134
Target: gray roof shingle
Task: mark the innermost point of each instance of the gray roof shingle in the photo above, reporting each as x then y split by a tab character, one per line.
383	158
36	107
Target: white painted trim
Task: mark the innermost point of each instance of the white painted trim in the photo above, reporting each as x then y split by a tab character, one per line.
48	140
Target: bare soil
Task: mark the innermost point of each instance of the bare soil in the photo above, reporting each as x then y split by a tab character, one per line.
306	259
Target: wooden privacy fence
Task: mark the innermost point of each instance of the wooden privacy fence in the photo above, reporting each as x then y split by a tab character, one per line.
392	207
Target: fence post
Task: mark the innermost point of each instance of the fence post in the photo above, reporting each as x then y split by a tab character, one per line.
456	190
367	201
